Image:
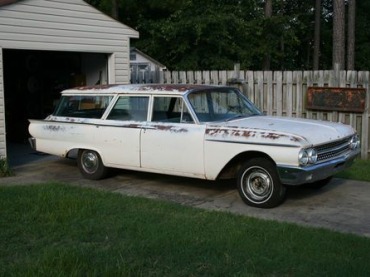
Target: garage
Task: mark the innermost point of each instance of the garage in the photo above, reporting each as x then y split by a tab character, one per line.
47	46
33	81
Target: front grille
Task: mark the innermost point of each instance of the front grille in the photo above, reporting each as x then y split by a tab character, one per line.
333	149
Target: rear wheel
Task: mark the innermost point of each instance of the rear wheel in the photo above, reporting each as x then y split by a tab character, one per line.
259	184
91	165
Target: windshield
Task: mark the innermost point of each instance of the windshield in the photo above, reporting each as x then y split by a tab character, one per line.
221	104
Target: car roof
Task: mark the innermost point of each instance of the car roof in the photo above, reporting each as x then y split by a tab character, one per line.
139	88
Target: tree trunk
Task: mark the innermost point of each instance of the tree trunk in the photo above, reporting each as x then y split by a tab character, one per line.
316	44
268	8
351	35
339	33
114	11
268	13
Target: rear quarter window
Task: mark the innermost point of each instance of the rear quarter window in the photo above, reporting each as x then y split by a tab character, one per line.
82	106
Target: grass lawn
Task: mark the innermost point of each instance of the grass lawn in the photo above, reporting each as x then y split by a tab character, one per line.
360	170
59	230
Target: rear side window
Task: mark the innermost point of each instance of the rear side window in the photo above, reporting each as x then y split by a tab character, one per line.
170	109
133	108
85	106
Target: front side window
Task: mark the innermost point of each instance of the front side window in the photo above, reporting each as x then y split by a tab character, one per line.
130	108
220	105
83	106
170	109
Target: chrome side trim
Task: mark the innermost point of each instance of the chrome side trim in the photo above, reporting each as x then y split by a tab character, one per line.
253	143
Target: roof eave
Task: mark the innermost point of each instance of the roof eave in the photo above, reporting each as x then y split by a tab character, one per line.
7	2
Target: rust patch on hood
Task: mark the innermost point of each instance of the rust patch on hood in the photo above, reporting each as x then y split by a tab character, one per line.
250	133
231	132
272	136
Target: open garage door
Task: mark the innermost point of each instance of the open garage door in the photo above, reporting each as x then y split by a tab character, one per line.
33	81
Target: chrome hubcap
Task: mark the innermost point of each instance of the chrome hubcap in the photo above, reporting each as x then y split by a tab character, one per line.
257	185
90	162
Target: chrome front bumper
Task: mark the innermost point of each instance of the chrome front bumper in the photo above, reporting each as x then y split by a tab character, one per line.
302	175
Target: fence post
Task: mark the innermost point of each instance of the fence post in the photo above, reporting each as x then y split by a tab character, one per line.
336	83
237	81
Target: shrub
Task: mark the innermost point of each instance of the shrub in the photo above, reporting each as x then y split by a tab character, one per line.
5	170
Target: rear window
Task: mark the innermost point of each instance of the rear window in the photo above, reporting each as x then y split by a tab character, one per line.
86	106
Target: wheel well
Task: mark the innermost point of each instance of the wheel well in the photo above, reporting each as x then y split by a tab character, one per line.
232	167
72	153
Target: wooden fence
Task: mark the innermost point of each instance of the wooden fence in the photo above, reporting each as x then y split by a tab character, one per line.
284	93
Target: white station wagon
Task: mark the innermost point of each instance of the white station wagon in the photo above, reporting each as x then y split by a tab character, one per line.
200	131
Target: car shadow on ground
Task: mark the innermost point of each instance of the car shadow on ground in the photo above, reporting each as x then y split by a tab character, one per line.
305	192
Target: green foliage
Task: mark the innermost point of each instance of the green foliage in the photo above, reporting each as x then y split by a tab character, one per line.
214	34
358	171
199	38
362	35
5	170
60	230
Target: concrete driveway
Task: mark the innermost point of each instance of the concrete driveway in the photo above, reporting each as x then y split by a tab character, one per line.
343	205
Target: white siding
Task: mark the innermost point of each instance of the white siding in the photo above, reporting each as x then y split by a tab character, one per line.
121	75
2	112
64	25
121	72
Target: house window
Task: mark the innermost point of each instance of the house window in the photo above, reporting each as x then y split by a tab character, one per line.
132	56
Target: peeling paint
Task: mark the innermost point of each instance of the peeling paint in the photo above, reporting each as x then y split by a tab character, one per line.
230	132
54	128
171	128
272	136
97	87
251	135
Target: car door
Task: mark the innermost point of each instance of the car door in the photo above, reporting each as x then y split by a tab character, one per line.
121	132
171	142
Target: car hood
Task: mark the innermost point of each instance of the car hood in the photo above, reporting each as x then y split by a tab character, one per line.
280	130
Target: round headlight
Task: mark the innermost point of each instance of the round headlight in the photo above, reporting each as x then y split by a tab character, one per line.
312	155
303	157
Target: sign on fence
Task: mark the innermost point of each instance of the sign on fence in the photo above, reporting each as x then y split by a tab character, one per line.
336	99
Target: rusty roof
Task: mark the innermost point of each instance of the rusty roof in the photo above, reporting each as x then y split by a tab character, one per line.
163	88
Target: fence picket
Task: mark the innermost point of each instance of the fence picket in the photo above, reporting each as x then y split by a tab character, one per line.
250	85
269	92
279	92
297	79
259	90
223	77
206	77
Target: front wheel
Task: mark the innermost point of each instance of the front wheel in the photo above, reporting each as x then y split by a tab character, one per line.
90	164
259	184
